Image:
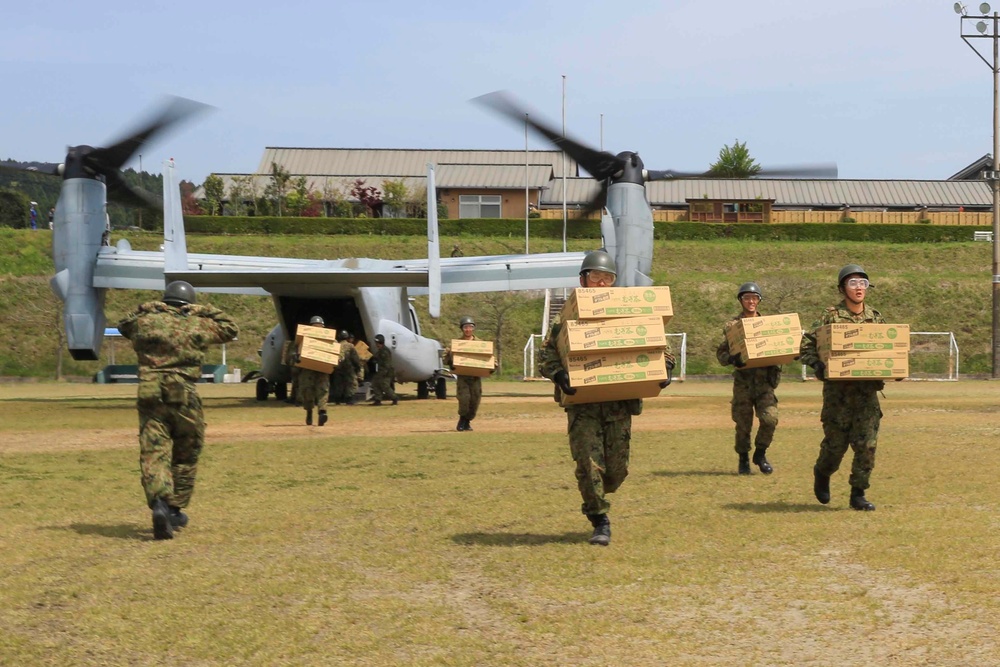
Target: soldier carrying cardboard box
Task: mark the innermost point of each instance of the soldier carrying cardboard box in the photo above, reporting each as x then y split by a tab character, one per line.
851	413
314	386
599	433
469	388
753	390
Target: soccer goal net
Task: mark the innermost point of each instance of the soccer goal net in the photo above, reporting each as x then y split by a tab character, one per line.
933	357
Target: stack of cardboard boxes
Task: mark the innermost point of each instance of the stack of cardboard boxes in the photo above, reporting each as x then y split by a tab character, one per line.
318	348
612	342
864	351
768	340
473	357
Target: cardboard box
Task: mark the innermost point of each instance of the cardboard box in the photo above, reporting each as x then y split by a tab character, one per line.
826	355
600	335
768	350
472	346
614	392
324	362
848	336
613	367
306	331
474	365
601	303
763	326
866	368
307	345
363	350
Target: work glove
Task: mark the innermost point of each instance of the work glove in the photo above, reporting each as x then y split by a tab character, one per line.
670	375
562	381
737	360
820	369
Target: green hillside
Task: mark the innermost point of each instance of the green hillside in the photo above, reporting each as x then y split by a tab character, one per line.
932	286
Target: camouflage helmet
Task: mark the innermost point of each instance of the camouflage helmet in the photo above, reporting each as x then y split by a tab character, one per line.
848	270
317	321
466	320
380	339
599	260
178	293
749	288
343	334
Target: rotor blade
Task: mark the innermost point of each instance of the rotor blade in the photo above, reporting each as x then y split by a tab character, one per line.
44	168
176	110
599	201
120	193
599	164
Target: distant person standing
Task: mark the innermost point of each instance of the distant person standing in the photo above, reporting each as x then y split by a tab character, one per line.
52	217
170	338
469	388
384	373
753	390
347	372
34	216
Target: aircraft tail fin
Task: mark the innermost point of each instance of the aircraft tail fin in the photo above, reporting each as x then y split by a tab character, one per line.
174	242
433	247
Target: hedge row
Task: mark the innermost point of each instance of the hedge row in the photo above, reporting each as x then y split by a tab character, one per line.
678	231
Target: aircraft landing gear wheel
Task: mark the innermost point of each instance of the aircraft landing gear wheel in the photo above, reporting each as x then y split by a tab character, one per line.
281	391
423	390
262	389
441	389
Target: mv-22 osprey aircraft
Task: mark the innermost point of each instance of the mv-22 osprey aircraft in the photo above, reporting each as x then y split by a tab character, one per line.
365	296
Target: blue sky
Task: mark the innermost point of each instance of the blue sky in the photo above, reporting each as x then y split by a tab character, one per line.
885	89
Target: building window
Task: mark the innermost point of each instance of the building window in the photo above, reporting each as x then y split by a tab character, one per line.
479	206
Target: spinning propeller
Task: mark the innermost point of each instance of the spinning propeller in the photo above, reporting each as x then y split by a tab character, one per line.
627	166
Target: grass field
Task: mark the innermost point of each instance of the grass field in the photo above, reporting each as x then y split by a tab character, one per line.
387	538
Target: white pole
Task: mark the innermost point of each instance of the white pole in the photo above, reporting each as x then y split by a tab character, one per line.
602	132
564	158
527	208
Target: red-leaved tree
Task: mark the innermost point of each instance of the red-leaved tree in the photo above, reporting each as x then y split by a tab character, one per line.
369	196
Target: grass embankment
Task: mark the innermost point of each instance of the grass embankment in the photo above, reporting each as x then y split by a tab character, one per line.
417	545
934	287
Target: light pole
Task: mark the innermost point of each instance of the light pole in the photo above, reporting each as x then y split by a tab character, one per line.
987	26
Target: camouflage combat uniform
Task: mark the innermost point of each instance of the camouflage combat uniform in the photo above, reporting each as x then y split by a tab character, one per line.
600	435
851	412
753	389
346	374
288	355
314	389
384	374
468	389
170	342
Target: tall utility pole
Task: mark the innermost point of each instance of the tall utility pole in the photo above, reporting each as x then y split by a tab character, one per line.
564	158
987	26
140	185
527	201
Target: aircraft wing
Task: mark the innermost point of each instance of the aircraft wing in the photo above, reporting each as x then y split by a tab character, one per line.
500	273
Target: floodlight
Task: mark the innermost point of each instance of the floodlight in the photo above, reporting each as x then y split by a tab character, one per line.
981	27
960	8
984	8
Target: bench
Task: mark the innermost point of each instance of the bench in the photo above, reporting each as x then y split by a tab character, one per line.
982	236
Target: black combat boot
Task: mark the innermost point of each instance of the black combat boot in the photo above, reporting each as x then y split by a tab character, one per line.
309	417
178	519
760	461
162	529
859	502
821	486
322	417
376	402
395	401
744	468
468	424
602	529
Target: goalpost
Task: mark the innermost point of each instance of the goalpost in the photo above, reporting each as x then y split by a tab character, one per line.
934	357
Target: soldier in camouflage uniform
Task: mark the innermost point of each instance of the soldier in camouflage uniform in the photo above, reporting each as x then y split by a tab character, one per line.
468	388
599	433
348	372
170	338
288	358
851	412
313	386
753	389
384	373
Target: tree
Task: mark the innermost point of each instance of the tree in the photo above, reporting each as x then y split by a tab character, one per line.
189	205
395	197
336	203
498	306
734	162
277	189
215	193
369	197
242	195
298	198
